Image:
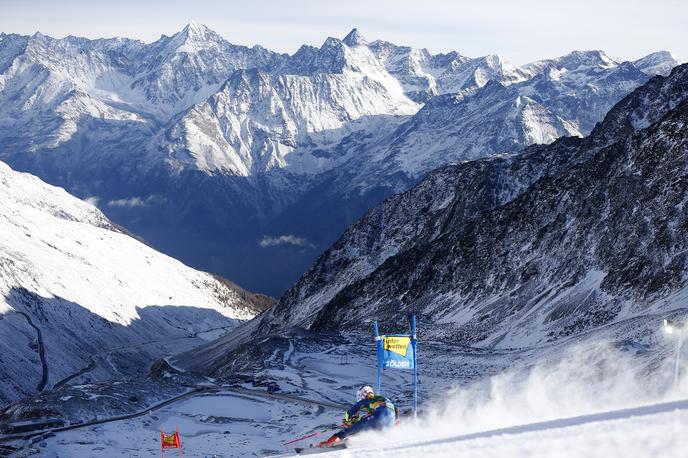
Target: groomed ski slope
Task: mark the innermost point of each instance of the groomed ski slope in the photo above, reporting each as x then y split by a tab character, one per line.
657	430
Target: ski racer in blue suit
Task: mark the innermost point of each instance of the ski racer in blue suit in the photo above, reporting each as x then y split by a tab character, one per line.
370	412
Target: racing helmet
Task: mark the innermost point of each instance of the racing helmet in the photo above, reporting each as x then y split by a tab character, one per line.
364	392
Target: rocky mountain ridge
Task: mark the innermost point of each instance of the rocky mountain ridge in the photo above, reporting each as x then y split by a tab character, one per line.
519	249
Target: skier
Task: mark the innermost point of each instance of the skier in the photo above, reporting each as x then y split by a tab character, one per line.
370	412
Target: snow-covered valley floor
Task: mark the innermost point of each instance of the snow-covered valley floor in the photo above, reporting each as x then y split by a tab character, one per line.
592	395
225	424
649	431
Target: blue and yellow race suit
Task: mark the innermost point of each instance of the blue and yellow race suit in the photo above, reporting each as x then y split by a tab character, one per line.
377	412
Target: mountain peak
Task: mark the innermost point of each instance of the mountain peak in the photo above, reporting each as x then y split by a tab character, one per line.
193	37
664	54
355	38
195	31
595	57
194	27
495	60
657	63
331	42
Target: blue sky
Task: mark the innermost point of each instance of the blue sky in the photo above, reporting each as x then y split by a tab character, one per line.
522	31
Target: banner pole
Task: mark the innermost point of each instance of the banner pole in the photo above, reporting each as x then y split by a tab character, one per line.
415	366
377	351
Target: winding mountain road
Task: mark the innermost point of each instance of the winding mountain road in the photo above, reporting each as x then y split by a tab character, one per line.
106	354
41	352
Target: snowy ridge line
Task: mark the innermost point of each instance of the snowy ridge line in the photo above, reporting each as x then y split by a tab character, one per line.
192	393
652	409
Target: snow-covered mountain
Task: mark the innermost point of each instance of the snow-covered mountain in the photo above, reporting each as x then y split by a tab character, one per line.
424	75
453	127
520	249
74	287
657	63
257	120
177	72
231	158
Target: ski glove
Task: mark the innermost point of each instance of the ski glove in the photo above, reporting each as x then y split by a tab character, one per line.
349	421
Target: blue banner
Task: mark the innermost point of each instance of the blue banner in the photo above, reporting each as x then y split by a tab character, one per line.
398	351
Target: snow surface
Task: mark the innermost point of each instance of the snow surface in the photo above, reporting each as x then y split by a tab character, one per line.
587	396
633	433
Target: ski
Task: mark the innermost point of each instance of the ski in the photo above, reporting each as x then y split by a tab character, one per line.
314	450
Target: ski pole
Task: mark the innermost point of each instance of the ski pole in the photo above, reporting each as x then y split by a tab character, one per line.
312	435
